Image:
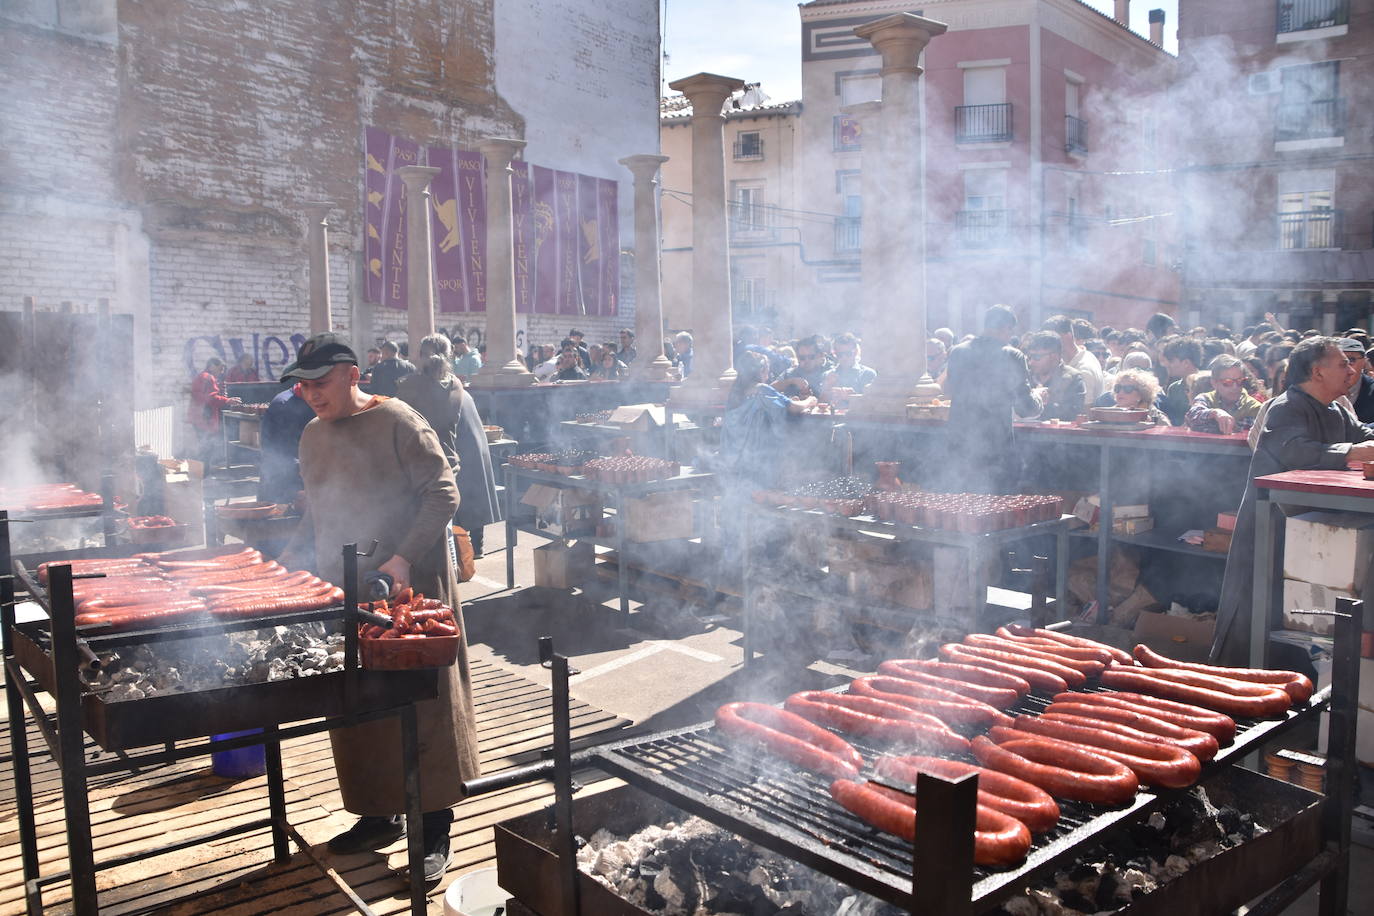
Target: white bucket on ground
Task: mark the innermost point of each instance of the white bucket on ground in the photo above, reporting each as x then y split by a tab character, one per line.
475	894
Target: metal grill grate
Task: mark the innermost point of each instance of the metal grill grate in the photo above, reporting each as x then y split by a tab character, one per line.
790	811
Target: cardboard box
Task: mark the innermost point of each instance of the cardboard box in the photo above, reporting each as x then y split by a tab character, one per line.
1308	596
1187	637
183	496
567	511
1128	526
1216	539
559	564
1329	548
250	433
643	417
1226	521
659	517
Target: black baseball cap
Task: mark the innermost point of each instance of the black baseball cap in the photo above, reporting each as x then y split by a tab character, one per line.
318	355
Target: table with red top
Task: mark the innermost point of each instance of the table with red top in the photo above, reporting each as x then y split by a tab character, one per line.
1340	491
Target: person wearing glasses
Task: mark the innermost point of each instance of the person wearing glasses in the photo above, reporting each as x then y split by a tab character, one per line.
812	365
1228	407
1138	389
1059	390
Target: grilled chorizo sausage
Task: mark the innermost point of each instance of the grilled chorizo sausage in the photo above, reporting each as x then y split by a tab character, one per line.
1153	764
1136	724
1296	685
1064	772
790	737
1235	698
1028	803
876	719
999	697
1218	725
1039	678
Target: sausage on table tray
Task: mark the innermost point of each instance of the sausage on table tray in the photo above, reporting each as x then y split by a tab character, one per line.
1082	653
239	574
1064	772
1028	803
790	737
972	674
999	697
1137	725
876	719
1185	715
1153	764
998	839
956	709
1086	667
1068	639
1235	698
1038	678
1296	685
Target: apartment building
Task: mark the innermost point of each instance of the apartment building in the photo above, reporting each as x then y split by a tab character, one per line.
1276	104
1046	180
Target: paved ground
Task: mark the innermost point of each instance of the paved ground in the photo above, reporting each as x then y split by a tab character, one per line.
631	669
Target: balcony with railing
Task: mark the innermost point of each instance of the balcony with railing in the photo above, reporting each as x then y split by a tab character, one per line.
1075	134
982	123
1319	119
1306	15
983	228
1311	229
749	221
848	234
748	146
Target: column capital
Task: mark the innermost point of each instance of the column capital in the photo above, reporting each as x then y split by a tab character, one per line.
900	39
499	151
707	92
644	166
318	210
417	176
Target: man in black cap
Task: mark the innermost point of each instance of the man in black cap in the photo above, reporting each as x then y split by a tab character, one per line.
373	468
389	370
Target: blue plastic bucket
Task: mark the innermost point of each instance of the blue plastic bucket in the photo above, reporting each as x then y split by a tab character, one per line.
240	762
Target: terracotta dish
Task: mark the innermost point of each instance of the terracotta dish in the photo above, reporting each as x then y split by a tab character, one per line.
1118	415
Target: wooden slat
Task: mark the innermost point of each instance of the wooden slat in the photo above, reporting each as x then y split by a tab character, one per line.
237	877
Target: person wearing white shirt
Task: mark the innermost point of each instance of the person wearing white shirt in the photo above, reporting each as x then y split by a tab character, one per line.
1076	357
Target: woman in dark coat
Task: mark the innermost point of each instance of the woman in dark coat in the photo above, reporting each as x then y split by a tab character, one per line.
439	396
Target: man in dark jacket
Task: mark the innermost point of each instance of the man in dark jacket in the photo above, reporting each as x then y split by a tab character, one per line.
282	424
988	385
1060	390
1361	393
389	370
1303	430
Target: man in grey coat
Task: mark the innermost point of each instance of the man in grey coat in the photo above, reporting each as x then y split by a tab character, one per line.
1303	430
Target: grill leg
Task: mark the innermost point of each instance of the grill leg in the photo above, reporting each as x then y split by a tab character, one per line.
942	873
415	831
276	795
19	738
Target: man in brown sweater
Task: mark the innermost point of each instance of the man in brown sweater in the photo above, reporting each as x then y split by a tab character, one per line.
373	468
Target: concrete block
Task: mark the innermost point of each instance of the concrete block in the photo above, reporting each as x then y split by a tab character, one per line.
1308	596
1329	548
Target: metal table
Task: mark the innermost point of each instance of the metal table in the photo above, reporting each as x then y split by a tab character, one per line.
1340	491
617	494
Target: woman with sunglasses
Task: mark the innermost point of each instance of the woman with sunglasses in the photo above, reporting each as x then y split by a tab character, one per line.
1137	389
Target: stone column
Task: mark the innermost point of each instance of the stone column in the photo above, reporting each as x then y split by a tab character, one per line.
317	239
873	314
648	284
713	340
503	367
900	358
419	255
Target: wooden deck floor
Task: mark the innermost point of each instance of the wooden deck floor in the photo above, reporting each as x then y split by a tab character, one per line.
237	877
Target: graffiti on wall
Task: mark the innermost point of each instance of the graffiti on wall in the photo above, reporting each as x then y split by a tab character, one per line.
270	353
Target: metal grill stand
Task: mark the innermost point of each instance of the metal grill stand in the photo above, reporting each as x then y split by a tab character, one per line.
66	745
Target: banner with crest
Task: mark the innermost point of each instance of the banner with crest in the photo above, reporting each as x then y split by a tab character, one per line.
566	232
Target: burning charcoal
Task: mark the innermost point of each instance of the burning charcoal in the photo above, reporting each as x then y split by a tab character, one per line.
673	897
1175	866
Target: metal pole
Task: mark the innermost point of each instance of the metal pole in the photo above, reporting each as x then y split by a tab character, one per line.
1342	771
1104	534
415	818
565	843
19	738
942	871
71	741
276	795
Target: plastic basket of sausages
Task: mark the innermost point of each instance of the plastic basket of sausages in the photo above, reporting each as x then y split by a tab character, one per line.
423	634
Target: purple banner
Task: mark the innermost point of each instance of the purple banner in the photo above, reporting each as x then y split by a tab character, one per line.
543	215
608	222
386	263
522	219
458	197
565	232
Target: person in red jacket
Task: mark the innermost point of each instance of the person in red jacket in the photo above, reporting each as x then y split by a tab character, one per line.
207	400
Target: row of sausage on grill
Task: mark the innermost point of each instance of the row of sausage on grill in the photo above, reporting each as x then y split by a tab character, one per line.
153	589
1159	722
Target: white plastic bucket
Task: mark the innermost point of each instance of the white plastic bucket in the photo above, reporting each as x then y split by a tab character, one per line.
475	894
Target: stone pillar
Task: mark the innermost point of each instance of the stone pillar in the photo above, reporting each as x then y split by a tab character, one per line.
317	240
900	358
503	367
419	255
713	339
648	284
873	308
